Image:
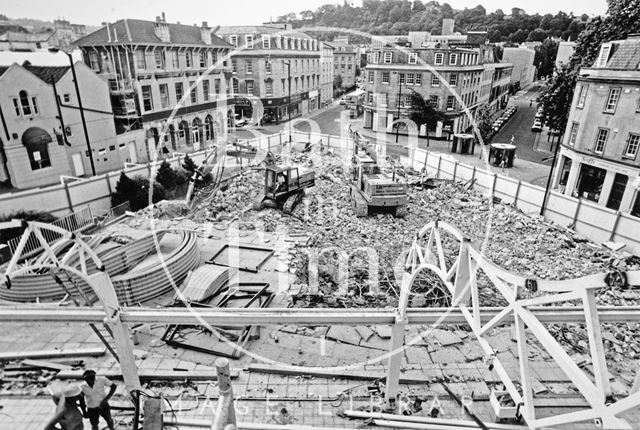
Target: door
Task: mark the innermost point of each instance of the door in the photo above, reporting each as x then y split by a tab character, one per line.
133	155
78	166
617	191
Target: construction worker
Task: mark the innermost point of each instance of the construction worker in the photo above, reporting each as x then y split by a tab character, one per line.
97	401
67	416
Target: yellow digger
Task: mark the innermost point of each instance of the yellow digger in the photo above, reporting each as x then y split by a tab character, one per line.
284	187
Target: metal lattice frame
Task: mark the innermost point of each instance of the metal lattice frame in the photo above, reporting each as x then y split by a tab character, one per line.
461	280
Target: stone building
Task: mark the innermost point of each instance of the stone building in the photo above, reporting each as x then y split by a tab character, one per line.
598	159
275	65
346	61
524	71
171	80
326	74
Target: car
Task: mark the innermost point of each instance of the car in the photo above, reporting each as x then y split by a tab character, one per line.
239	121
537	126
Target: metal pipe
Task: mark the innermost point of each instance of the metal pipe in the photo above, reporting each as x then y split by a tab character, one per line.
84	121
55	95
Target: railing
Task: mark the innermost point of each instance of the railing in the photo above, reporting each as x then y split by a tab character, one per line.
74	222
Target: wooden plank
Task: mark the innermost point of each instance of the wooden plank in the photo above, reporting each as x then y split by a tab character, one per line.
170	375
52	353
45	365
320	372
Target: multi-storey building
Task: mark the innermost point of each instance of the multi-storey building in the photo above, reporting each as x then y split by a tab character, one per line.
523	69
42	139
326	74
66	32
345	63
168	79
453	77
598	159
276	65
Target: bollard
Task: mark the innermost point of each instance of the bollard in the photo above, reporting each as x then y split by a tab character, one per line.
226	414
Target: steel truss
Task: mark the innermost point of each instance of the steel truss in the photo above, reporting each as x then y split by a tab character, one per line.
460	278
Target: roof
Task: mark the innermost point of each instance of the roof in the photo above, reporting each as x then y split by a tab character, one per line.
12	36
625	55
45	73
143	32
259	29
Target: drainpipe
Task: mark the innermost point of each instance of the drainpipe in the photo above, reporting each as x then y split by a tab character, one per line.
3	154
55	95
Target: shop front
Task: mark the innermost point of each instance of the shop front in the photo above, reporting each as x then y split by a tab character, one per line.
276	109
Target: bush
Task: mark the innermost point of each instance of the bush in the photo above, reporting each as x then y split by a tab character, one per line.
136	191
189	165
166	176
9	233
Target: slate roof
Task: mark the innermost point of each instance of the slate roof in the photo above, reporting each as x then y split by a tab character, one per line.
143	32
260	29
625	55
45	73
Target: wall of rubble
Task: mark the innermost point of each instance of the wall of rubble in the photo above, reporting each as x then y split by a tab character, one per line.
598	223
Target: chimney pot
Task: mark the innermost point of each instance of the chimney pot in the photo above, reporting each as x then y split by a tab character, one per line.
205	24
164	18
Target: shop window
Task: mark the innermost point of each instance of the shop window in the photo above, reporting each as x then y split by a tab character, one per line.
617	191
590	182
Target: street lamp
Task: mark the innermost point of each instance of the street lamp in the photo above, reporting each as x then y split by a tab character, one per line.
288	64
399	97
84	121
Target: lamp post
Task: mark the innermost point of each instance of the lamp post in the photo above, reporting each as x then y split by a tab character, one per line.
84	121
399	98
288	64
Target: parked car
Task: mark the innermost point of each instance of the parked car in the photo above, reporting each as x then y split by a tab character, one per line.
537	125
239	121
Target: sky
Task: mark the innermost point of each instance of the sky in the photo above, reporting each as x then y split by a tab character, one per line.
217	12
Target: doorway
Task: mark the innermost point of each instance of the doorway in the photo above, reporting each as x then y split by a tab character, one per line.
133	155
617	191
78	166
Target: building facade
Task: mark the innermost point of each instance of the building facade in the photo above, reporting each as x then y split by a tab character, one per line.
326	74
452	77
275	65
565	51
598	159
345	63
523	69
42	140
170	80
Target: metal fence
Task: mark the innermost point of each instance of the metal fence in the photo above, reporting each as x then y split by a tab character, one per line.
74	222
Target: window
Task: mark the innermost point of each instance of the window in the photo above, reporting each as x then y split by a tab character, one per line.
266	42
164	96
214	58
147	101
203	59
38	154
179	92
268	87
250	87
216	86
205	90
582	95
235	86
383	99
612	101
439	59
574	133
94	62
409	78
371	77
369	97
385	77
601	140
267	67
401	78
233	39
175	62
604	55
249	67
435	81
159	56
451	102
453	79
66	98
188	58
193	92
376	57
388	56
433	101
248	41
407	100
413	58
453	59
633	142
234	66
418	80
141	61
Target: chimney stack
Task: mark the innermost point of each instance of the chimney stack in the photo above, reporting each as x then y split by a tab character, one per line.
161	29
164	18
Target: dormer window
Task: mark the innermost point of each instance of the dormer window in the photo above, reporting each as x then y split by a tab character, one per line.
248	40
233	39
413	58
266	42
603	58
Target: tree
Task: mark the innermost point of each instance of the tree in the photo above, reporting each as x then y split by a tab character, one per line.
484	124
166	176
337	82
423	112
537	35
136	191
189	164
556	99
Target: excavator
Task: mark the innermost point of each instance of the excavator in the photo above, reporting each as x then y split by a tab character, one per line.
371	190
212	163
284	186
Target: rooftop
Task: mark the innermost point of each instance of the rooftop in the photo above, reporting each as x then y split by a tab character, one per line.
45	73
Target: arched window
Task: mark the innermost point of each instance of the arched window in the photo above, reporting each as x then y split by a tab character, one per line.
36	141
